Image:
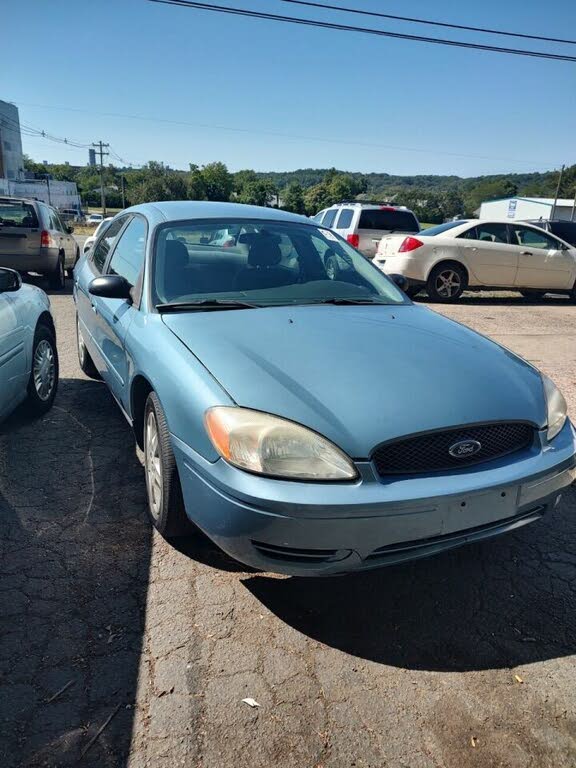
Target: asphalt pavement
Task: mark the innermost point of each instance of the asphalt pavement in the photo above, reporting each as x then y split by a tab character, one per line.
118	649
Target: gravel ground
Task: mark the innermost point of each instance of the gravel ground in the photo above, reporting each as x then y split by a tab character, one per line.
466	659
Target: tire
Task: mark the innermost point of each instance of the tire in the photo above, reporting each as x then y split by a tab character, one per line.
533	295
84	359
331	267
70	270
412	291
447	282
57	278
165	500
43	382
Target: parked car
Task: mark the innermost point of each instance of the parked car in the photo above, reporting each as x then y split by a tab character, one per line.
33	238
449	258
71	214
364	224
565	230
28	355
94	219
91	239
249	380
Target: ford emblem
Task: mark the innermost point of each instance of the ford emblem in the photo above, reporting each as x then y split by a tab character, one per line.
464	448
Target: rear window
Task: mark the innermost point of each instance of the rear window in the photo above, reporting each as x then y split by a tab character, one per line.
395	221
431	231
565	231
345	219
17	214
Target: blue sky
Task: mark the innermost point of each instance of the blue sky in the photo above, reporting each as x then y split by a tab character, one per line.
269	96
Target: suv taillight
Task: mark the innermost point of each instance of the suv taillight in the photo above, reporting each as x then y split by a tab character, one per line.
410	244
354	240
45	239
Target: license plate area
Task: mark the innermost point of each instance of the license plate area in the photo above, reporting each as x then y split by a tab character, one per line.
481	509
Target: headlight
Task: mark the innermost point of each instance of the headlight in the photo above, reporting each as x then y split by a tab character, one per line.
556	407
269	445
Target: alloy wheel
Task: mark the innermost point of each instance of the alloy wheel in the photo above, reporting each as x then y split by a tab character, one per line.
153	463
448	283
44	370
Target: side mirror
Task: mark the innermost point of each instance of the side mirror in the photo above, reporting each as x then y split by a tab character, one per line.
10	280
111	287
400	281
69	230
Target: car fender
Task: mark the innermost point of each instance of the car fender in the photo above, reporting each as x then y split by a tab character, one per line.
183	384
444	253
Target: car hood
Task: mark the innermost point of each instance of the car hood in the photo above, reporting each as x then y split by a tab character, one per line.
362	375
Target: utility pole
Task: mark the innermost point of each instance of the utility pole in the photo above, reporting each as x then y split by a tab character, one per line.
553	212
100	151
122	188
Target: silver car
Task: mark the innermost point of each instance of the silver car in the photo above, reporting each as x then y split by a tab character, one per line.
33	238
28	355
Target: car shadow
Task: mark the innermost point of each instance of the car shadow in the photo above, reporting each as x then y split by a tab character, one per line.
498	604
74	562
472	298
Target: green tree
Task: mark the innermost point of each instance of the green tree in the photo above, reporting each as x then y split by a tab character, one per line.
490	189
156	182
218	182
293	198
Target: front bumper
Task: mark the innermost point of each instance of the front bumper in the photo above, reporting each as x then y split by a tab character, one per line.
312	529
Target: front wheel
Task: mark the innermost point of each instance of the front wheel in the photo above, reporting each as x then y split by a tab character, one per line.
412	291
446	282
533	295
165	500
86	363
43	382
57	278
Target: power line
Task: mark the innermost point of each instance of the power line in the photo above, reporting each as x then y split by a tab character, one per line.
281	134
363	30
378	14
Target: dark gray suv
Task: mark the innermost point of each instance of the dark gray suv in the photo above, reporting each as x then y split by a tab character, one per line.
33	238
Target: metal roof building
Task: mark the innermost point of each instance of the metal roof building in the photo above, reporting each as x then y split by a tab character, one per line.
523	208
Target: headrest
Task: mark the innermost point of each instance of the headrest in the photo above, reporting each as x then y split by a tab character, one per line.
176	254
264	252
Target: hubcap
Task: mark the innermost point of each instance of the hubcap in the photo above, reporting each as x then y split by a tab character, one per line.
448	283
81	345
44	370
153	465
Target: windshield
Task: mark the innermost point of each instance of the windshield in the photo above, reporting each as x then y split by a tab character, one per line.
431	231
265	263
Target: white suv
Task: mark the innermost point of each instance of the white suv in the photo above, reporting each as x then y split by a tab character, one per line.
364	224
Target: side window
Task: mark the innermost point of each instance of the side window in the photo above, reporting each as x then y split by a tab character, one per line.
470	234
128	257
533	238
345	218
492	233
103	246
329	218
318	216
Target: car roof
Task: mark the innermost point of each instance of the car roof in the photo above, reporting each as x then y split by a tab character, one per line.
178	210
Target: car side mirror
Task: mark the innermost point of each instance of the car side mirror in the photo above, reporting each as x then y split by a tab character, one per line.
111	287
400	281
69	230
10	280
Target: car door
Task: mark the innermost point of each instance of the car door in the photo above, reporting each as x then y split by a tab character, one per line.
543	261
115	315
68	242
92	266
488	255
12	352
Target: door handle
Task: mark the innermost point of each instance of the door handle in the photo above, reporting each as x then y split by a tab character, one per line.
470	248
525	253
94	308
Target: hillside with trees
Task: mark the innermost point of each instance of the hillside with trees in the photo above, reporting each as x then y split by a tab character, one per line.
433	198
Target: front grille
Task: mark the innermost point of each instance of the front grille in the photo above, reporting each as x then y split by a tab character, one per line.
293	554
430	452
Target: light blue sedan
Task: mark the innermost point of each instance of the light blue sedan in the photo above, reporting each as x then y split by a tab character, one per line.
28	355
294	405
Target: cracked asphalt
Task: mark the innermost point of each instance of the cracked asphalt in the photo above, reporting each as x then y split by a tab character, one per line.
117	649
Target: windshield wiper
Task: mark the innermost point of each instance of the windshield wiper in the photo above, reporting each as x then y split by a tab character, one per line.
346	300
185	306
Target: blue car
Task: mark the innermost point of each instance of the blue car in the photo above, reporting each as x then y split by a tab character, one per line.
28	354
295	406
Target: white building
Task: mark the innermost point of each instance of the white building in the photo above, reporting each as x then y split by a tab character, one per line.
523	208
60	194
11	159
